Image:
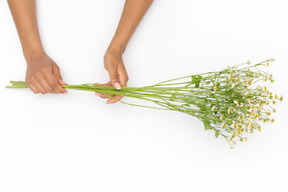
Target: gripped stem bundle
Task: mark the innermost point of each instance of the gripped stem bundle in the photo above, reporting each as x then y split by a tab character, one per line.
227	101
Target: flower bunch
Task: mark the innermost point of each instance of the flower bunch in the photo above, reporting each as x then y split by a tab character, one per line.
230	102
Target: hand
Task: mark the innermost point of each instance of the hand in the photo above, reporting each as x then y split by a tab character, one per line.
43	75
113	63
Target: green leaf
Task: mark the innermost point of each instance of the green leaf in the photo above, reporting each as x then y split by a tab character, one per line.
193	78
217	133
197	84
207	125
196	80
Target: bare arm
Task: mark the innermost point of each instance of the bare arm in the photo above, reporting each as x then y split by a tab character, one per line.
133	12
43	74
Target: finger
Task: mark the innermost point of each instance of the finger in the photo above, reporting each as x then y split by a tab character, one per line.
101	94
97	94
110	101
54	84
32	87
114	77
43	82
123	76
117	97
104	84
57	74
37	85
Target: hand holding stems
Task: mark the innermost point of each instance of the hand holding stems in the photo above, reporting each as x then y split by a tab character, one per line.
132	14
113	63
43	74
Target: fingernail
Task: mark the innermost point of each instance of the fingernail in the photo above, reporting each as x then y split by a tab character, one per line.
117	85
63	82
65	92
97	94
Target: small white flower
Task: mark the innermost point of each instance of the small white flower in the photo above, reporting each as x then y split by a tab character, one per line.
213	108
236	102
229	110
246	95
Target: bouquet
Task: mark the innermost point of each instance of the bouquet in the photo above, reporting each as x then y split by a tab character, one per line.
229	102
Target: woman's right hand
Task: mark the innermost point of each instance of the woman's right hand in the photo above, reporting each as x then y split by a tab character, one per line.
43	75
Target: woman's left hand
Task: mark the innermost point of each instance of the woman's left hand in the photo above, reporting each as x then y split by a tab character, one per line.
113	63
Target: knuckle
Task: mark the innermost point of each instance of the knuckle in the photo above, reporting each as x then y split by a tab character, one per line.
37	74
31	77
28	82
31	87
43	70
63	91
113	78
56	66
59	90
109	66
54	84
49	90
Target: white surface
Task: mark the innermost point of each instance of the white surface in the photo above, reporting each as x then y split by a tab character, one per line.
76	142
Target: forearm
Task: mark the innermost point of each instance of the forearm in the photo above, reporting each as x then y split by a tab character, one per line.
132	14
24	15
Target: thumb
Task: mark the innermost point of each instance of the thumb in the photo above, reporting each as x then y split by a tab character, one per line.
56	72
114	78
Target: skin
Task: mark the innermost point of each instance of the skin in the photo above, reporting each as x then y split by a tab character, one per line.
43	74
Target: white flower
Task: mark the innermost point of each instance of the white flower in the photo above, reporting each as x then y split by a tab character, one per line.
230	110
236	102
246	95
213	108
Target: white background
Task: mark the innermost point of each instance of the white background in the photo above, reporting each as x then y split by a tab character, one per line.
76	142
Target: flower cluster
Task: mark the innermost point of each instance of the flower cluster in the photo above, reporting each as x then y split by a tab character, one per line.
237	104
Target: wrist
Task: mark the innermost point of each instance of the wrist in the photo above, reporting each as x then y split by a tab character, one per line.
117	49
30	54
